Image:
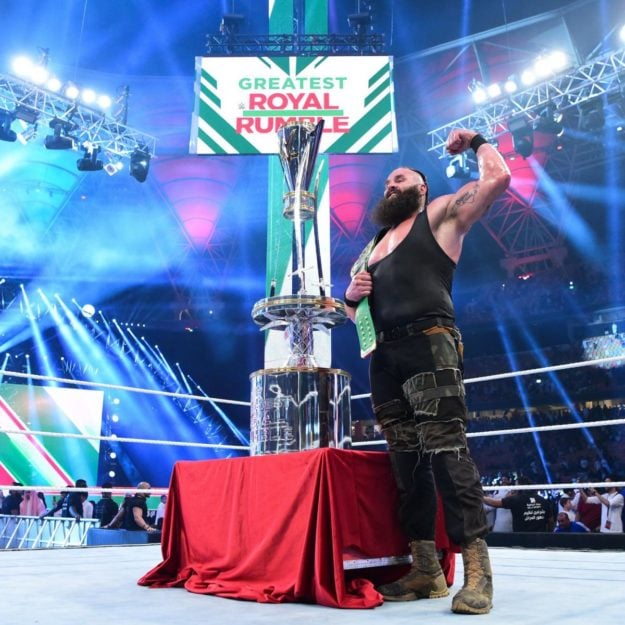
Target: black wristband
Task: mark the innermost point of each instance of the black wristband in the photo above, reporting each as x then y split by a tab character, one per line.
476	142
350	302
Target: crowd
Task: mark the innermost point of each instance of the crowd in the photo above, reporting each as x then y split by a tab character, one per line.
578	510
562	291
132	514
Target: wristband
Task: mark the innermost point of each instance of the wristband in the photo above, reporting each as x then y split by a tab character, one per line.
476	142
350	302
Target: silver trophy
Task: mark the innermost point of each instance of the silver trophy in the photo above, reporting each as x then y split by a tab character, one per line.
300	406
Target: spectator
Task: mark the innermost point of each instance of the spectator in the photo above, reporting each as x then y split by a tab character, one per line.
160	512
566	525
11	503
31	504
72	504
588	514
611	506
136	510
530	511
106	508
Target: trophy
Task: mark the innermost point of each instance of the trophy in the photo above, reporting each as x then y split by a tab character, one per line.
300	405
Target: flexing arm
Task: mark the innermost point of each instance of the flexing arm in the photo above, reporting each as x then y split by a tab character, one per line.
472	200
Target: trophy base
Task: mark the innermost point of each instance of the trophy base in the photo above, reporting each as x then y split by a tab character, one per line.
294	409
281	311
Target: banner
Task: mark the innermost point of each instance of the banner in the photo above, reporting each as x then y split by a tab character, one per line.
241	102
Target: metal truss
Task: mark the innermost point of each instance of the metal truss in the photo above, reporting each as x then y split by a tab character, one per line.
295	45
84	124
598	77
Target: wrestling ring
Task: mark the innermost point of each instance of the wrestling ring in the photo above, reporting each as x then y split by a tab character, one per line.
534	583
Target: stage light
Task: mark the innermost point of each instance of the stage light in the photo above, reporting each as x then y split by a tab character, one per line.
28	134
88	310
59	140
231	23
39	74
6	134
54	84
26	113
621	33
90	161
71	91
528	78
140	164
477	91
104	101
359	22
511	85
88	96
549	121
522	136
591	116
22	66
458	167
494	90
113	167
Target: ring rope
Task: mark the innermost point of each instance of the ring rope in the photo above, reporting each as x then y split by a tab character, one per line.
123	439
117	387
527	430
513	374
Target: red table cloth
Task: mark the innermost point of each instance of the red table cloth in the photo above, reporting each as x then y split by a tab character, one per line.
276	528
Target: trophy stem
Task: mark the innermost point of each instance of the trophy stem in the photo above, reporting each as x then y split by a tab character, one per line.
300	405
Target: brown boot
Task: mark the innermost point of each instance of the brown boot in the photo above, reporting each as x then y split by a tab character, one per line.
425	580
476	596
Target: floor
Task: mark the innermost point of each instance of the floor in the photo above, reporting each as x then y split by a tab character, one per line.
98	584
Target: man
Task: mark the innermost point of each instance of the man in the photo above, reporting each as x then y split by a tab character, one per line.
530	511
136	510
11	503
106	508
566	525
72	504
417	391
611	507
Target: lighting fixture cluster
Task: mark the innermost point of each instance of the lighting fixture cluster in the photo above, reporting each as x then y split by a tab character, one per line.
78	119
37	73
545	66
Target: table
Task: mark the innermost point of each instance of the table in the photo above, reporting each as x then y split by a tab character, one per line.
277	528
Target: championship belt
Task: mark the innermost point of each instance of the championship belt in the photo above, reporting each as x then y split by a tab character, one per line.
363	319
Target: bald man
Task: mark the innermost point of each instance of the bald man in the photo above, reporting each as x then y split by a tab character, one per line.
136	510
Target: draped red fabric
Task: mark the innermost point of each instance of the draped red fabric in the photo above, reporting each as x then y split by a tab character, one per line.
277	528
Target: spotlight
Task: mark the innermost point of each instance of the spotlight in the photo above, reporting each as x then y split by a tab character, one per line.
28	134
549	121
591	116
59	140
26	114
230	23
140	164
6	134
478	91
522	136
113	167
458	167
359	22
90	161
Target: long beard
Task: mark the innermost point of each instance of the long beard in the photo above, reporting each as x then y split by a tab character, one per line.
392	211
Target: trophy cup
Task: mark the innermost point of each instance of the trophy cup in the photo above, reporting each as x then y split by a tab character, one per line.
300	405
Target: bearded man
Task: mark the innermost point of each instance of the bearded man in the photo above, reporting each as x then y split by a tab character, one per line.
402	282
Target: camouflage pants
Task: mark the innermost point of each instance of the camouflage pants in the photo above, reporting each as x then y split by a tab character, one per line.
418	398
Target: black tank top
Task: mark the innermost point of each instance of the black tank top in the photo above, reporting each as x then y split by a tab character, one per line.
412	283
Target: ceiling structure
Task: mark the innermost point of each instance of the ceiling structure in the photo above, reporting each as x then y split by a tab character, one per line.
186	249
